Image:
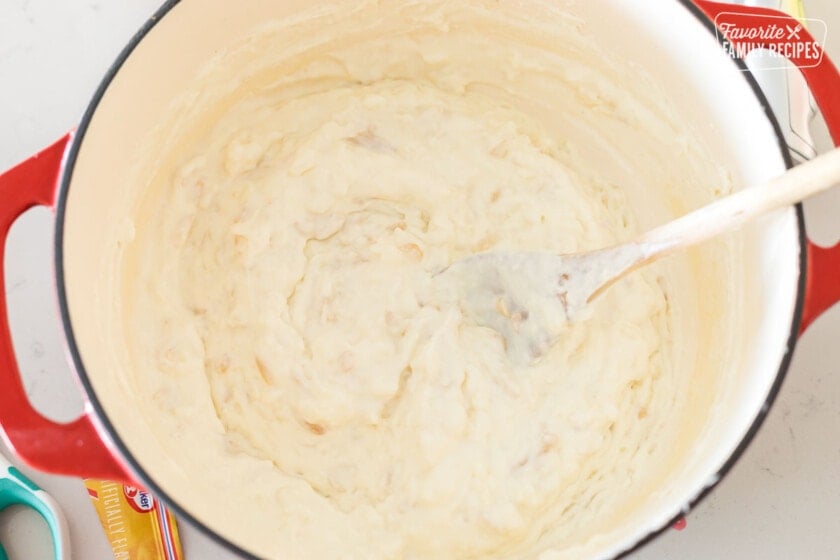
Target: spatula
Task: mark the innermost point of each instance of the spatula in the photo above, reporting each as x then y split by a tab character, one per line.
528	296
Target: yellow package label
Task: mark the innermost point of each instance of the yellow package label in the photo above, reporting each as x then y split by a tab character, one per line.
138	526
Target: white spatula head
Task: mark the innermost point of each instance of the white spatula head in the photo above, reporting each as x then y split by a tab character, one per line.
527	297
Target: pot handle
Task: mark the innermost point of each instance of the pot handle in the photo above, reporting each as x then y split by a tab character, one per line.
822	288
74	448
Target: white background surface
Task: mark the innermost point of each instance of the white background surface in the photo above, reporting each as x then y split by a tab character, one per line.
781	501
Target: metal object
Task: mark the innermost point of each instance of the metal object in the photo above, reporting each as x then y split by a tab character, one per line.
786	89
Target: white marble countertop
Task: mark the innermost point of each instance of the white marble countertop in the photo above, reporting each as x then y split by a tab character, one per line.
780	502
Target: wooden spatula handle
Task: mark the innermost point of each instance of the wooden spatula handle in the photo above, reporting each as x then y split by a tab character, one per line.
731	212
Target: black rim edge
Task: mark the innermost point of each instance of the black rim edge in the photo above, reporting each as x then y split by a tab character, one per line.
128	457
797	313
61	207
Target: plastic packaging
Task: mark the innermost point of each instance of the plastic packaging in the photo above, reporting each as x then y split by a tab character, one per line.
138	526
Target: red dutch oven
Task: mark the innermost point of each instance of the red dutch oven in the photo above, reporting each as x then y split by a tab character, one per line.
65	177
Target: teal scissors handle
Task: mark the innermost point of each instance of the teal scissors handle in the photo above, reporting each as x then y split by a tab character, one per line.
16	489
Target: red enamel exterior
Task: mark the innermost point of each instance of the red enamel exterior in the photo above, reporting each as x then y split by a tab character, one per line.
75	448
823	275
822	289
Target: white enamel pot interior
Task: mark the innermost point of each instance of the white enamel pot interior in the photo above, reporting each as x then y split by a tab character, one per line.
668	39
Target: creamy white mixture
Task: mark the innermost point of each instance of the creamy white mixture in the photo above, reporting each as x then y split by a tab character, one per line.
288	332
